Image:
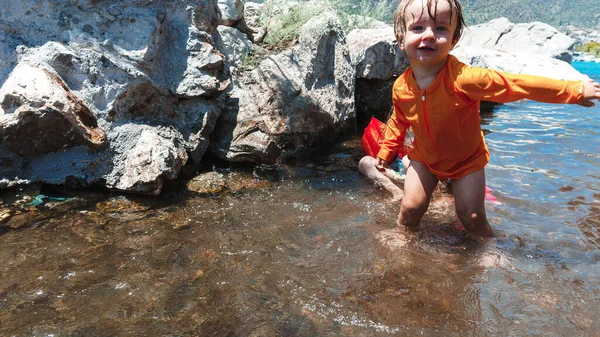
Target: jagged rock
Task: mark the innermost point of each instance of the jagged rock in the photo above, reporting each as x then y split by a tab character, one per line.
142	68
196	120
241	135
517	63
148	157
232	11
188	65
207	15
535	38
293	100
252	19
375	53
233	44
40	114
208	183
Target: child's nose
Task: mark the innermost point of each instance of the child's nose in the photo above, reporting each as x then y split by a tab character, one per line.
428	33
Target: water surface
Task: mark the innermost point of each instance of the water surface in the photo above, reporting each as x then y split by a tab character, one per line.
318	253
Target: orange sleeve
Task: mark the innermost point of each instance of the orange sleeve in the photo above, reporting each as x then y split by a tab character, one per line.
494	86
393	136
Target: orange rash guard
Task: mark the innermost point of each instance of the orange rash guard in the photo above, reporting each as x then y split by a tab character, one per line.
445	116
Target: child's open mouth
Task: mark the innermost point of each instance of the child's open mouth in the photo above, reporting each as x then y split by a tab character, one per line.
426	48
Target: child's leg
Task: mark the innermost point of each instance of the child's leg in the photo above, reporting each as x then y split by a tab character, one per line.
418	188
469	197
367	167
405	162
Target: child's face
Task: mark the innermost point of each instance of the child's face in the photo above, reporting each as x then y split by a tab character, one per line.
428	42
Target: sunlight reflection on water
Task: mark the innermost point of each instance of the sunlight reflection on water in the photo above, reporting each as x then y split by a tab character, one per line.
319	254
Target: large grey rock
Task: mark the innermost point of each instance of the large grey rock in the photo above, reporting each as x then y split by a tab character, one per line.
517	63
253	13
40	114
293	100
233	44
232	11
188	65
375	53
146	71
153	156
535	38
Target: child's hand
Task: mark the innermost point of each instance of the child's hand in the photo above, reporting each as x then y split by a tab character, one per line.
381	164
591	90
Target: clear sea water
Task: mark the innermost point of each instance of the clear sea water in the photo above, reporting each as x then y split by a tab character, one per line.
318	254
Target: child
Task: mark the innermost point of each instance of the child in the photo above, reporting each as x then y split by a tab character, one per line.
439	97
387	177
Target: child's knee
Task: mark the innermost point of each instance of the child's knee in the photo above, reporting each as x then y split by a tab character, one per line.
366	164
413	208
471	216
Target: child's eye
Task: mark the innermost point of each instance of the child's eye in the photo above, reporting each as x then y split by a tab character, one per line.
417	28
441	28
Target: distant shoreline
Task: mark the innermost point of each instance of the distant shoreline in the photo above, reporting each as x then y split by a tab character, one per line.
582	57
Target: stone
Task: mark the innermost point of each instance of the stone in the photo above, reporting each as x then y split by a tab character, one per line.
292	101
153	156
535	38
375	53
232	11
233	44
517	63
40	114
208	183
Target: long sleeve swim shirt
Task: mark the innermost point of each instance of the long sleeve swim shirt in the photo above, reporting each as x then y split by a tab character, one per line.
445	117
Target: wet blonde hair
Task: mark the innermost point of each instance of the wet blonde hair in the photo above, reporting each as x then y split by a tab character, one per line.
400	17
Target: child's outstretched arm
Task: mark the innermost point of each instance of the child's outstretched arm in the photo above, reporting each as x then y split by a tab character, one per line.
591	90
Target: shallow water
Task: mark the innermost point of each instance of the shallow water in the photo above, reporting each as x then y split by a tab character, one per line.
318	254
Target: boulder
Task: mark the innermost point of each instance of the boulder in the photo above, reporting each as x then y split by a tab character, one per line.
233	44
147	158
378	61
535	38
129	91
40	114
253	19
375	53
293	101
232	11
517	63
208	183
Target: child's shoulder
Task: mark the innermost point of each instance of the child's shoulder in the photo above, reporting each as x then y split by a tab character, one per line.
462	73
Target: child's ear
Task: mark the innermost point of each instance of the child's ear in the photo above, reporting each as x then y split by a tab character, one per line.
454	42
400	42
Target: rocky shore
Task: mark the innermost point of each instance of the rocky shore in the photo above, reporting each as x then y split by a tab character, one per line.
133	95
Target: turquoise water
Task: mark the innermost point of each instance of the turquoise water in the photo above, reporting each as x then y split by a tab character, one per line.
545	162
319	254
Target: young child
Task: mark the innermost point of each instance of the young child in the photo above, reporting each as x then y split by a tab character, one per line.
439	97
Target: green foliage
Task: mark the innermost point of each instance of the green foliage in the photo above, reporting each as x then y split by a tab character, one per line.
360	14
284	21
592	48
253	60
579	13
357	14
